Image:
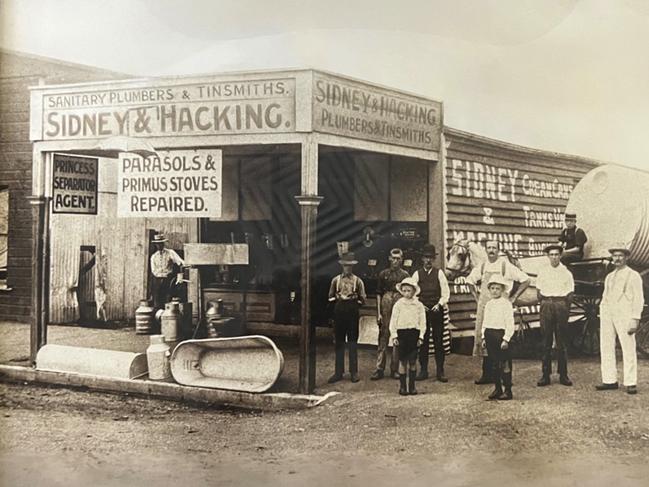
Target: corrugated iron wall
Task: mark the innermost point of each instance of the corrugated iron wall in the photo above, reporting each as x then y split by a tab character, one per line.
511	194
121	258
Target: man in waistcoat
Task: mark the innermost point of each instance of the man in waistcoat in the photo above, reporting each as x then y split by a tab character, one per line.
162	267
572	239
434	295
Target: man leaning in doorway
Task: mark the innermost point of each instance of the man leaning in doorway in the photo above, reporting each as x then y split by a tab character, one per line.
620	310
572	239
162	268
480	276
554	287
434	295
386	296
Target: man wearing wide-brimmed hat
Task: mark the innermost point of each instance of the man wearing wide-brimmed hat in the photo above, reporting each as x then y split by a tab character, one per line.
572	239
386	296
620	310
162	268
435	293
347	291
555	287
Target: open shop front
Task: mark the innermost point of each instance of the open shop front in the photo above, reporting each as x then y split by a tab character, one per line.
311	164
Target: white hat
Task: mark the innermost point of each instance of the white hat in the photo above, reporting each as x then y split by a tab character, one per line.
409	281
497	279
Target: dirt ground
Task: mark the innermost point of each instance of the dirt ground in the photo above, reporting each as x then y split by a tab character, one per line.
448	434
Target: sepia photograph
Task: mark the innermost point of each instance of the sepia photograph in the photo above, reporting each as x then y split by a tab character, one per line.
324	243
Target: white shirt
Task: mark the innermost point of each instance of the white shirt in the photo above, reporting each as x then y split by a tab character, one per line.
443	284
408	313
162	262
499	315
512	273
555	281
623	293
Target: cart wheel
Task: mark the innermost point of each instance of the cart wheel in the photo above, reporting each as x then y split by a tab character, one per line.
642	337
586	337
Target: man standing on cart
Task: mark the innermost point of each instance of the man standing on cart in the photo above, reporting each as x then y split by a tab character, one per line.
555	287
479	280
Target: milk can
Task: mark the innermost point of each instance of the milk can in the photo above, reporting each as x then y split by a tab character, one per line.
157	357
170	321
144	318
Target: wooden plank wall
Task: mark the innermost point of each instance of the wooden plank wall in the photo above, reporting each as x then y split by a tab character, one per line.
121	252
512	194
18	72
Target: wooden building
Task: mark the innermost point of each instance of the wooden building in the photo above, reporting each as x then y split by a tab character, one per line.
19	71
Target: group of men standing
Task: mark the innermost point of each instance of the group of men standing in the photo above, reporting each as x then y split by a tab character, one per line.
620	309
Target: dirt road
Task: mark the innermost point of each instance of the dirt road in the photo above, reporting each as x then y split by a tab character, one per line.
369	435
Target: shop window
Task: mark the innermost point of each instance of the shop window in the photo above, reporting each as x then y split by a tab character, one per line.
409	190
256	194
4	235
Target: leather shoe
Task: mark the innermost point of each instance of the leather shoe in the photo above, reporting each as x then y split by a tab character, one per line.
484	380
496	394
378	374
506	396
334	378
354	377
565	381
631	390
395	375
607	387
543	381
422	375
441	378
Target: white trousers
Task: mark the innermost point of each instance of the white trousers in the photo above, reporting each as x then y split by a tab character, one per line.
609	327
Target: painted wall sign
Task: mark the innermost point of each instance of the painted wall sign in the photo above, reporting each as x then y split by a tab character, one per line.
353	109
74	184
218	108
171	184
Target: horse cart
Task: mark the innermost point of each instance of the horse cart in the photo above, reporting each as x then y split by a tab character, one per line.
612	204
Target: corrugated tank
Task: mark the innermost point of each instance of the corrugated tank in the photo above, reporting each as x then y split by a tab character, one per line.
612	206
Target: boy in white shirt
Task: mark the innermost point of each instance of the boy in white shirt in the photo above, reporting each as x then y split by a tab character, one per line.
407	329
497	331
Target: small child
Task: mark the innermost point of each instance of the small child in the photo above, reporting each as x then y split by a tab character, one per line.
407	329
497	331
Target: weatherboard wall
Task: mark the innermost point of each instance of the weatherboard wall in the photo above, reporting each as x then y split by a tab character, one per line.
509	193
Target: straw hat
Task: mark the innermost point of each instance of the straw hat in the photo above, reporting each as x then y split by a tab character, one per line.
158	238
497	279
398	253
348	259
620	248
409	281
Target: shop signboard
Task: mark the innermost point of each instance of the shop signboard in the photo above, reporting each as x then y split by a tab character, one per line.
353	109
74	184
178	183
247	106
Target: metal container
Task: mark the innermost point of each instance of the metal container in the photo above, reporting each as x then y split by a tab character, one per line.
157	357
170	321
219	325
612	207
144	319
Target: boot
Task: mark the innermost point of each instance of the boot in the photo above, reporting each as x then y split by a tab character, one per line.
543	381
403	390
507	381
487	372
440	374
411	382
496	394
422	375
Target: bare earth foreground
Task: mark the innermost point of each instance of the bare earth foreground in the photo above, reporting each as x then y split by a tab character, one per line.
368	435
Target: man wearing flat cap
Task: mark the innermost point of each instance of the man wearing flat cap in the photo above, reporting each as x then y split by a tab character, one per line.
554	287
386	296
434	295
572	240
620	310
162	267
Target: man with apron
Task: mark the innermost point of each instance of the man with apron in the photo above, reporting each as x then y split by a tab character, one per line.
480	276
386	296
